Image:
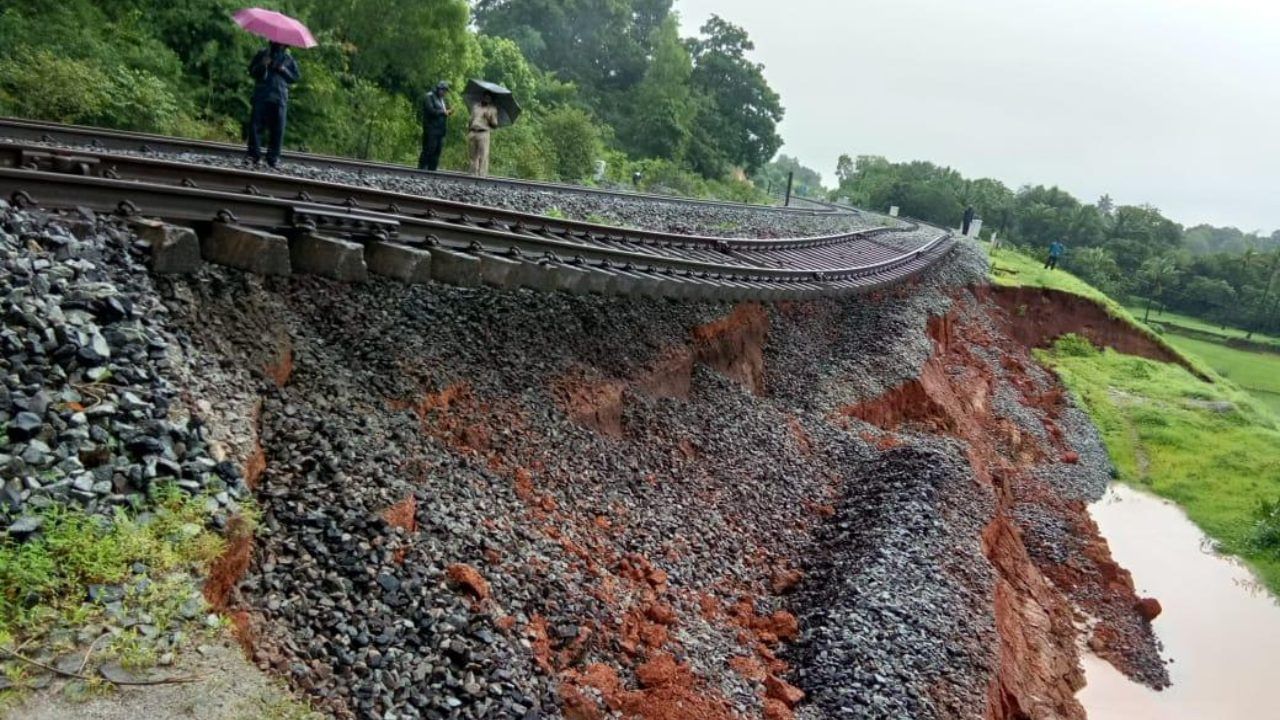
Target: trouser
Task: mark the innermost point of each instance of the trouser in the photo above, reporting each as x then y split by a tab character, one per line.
1051	263
964	227
269	116
478	148
432	146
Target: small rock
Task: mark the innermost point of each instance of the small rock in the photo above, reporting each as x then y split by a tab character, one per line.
1149	608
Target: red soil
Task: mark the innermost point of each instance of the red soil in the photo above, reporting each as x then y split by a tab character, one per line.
1038	316
734	345
281	369
1038	672
469	579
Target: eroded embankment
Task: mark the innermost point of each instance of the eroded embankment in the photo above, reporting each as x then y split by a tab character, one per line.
1038	316
482	504
1043	462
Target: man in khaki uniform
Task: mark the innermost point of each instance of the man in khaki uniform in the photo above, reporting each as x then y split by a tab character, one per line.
484	118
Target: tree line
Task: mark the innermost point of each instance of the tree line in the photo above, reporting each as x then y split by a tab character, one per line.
600	80
1128	251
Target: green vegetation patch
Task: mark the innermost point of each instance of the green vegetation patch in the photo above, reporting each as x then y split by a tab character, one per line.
1178	320
1011	268
1256	372
1211	448
125	587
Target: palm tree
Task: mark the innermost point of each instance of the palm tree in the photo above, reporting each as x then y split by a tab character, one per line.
1156	274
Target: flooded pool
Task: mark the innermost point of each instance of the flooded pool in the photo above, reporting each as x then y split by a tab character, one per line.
1220	626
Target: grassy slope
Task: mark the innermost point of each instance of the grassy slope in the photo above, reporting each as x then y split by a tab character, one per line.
1010	268
1210	447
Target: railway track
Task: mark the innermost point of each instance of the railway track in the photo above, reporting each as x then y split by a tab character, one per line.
468	244
118	140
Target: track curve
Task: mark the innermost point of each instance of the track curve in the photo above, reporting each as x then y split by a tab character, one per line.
473	244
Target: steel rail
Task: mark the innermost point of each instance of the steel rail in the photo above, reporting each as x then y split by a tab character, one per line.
80	135
31	187
132	167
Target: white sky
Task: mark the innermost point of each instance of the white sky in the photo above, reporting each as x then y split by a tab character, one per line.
1175	103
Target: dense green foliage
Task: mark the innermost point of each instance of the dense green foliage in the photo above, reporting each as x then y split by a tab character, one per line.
599	80
1207	446
1124	250
699	102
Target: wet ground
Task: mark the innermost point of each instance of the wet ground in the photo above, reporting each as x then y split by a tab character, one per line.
1220	628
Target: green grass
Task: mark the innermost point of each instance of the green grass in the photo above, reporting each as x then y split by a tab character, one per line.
1010	268
44	581
1256	372
1204	326
1211	448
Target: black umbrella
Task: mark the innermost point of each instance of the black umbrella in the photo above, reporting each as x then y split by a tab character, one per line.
508	108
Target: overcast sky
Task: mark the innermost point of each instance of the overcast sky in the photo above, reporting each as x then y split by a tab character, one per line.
1175	103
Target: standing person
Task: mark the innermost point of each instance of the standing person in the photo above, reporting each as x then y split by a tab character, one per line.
968	220
484	118
1055	253
275	70
435	123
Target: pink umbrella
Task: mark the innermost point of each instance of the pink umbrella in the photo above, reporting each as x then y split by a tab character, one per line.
275	27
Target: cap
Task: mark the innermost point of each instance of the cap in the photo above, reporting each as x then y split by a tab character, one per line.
442	85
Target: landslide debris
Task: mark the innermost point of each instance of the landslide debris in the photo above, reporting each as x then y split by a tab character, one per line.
482	504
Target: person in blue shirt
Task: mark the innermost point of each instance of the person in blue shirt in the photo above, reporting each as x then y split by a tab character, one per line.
1055	254
274	70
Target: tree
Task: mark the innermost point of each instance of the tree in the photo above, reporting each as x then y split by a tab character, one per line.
1097	267
600	45
406	46
845	170
1154	278
661	108
808	183
741	106
574	141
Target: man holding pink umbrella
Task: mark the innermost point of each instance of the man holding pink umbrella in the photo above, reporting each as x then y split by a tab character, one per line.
273	70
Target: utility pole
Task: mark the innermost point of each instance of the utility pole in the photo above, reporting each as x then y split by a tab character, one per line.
791	176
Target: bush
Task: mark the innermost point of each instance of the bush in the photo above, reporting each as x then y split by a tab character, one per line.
1266	529
1072	345
573	142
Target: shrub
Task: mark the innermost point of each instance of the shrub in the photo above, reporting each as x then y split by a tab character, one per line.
1073	345
1266	529
572	138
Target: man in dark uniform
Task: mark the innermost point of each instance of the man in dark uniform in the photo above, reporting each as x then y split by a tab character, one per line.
275	70
435	123
968	220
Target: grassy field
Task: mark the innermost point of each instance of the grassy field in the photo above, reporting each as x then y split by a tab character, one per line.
1204	326
1211	448
1256	372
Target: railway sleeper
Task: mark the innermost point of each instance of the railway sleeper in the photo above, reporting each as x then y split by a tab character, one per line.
245	248
317	254
454	267
399	262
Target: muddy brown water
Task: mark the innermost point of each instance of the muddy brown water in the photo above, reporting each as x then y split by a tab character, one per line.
1220	626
